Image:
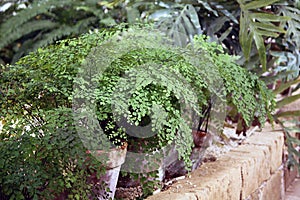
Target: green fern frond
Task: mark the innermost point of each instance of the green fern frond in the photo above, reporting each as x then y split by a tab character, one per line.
62	31
44	22
23	23
255	25
36	8
26	28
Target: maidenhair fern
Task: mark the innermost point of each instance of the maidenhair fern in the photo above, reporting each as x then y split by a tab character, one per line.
245	91
144	80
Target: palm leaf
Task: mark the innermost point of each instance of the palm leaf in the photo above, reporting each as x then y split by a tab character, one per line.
293	25
293	113
52	36
24	22
279	76
285	86
209	8
295	140
256	4
36	8
267	17
182	27
245	36
255	25
287	100
287	61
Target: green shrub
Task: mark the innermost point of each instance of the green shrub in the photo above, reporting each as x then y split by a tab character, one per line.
43	155
43	152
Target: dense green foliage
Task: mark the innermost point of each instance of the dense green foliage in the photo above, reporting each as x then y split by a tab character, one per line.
264	34
42	149
244	28
272	35
43	155
27	26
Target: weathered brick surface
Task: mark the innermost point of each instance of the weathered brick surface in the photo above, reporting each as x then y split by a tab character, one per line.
255	166
274	141
270	189
255	195
173	196
273	187
247	172
217	179
225	181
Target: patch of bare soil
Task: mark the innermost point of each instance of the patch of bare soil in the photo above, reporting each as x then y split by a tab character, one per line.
129	193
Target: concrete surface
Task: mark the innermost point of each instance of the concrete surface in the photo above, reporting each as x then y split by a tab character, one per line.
293	192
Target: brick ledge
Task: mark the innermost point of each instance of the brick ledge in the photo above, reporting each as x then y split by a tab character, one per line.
251	171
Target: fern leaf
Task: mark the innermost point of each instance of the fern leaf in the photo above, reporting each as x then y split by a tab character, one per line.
36	8
27	28
56	34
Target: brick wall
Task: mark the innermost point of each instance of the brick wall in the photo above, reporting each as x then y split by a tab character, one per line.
251	171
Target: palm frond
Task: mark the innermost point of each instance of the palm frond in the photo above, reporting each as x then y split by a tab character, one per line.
287	100
181	27
293	25
292	113
255	24
43	22
286	86
287	62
